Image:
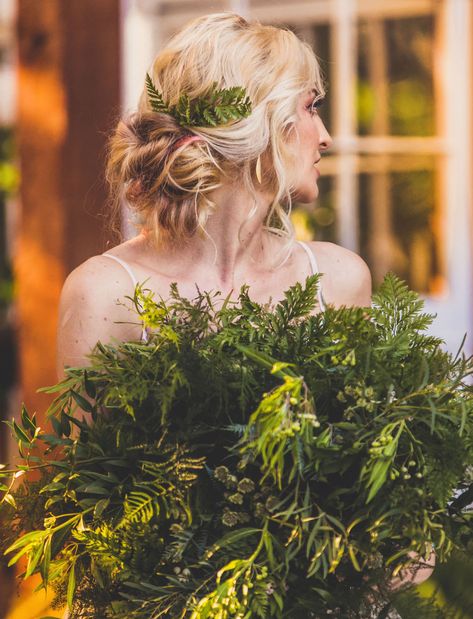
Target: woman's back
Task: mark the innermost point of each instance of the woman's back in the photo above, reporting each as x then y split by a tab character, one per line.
94	307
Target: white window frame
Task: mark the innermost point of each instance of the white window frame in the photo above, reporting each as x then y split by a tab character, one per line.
454	306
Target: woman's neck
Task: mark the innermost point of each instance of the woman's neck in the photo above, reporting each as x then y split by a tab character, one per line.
234	243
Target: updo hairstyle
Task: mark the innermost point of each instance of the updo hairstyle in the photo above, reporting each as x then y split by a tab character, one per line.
167	187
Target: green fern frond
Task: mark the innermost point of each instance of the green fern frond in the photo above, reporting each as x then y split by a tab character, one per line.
139	507
217	107
398	309
298	302
155	98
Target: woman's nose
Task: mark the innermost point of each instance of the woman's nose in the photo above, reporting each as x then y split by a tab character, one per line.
325	139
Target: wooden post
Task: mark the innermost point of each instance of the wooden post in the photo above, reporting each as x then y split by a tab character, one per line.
69	68
68	99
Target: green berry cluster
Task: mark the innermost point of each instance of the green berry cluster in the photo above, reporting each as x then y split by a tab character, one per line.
379	446
357	396
348	359
244	500
409	470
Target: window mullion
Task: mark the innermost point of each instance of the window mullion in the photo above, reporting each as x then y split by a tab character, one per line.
345	71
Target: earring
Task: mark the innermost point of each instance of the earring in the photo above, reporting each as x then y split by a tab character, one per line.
258	170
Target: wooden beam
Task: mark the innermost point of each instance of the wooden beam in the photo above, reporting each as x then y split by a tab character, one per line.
68	95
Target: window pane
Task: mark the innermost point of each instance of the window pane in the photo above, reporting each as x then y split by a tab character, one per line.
321	46
395	94
400	222
318	36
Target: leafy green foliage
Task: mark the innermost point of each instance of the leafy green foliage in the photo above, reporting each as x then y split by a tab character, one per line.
249	461
217	107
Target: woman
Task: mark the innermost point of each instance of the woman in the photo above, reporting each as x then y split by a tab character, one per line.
205	219
212	202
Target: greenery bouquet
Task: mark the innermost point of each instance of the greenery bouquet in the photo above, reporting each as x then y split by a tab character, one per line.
248	461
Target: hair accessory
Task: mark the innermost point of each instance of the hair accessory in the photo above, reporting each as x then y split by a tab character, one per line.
135	189
187	139
218	107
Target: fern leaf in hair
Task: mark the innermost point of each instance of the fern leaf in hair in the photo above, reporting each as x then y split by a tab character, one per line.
218	107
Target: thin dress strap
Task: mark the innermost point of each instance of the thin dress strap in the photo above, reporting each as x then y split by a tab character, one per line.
315	269
126	266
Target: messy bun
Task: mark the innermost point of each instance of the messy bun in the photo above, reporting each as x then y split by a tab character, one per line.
160	179
166	180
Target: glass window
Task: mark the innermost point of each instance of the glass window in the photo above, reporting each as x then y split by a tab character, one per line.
395	86
399	219
396	160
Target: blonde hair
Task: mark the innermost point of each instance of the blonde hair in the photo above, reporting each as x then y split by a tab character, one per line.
169	187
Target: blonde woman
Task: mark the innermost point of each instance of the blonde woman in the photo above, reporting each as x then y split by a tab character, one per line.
204	218
212	203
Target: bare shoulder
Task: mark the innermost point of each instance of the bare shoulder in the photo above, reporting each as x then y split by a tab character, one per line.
98	281
346	279
92	307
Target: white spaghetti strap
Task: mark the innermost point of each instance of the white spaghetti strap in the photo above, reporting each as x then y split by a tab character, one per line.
125	266
144	333
315	269
312	260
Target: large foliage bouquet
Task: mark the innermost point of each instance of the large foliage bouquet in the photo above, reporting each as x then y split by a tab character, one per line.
248	461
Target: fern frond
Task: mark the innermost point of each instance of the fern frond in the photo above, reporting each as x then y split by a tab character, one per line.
155	98
139	507
298	302
396	309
